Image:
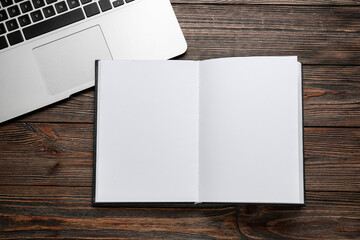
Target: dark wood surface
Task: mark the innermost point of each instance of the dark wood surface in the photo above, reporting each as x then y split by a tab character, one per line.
46	156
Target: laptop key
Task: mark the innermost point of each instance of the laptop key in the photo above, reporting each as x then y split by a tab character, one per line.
15	38
73	3
2	29
105	5
38	3
36	16
61	7
127	1
26	7
6	3
14	11
91	9
85	1
3	15
53	23
12	25
49	11
24	20
50	1
3	43
118	3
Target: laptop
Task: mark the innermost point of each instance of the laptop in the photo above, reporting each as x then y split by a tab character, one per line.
48	48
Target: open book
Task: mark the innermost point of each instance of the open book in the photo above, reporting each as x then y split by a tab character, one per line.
221	130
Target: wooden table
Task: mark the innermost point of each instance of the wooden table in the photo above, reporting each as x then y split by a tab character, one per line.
46	156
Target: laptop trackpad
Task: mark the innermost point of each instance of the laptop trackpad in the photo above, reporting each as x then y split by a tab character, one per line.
69	62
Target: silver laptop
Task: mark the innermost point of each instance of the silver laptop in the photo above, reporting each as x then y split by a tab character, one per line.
48	48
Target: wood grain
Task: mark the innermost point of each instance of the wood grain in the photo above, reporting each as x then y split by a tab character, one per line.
332	159
61	155
43	211
300	20
46	154
271	2
64	212
331	96
78	108
213	31
314	221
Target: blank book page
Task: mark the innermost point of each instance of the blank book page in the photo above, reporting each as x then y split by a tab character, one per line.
147	131
249	130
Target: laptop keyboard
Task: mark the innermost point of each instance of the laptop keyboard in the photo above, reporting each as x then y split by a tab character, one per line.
22	20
